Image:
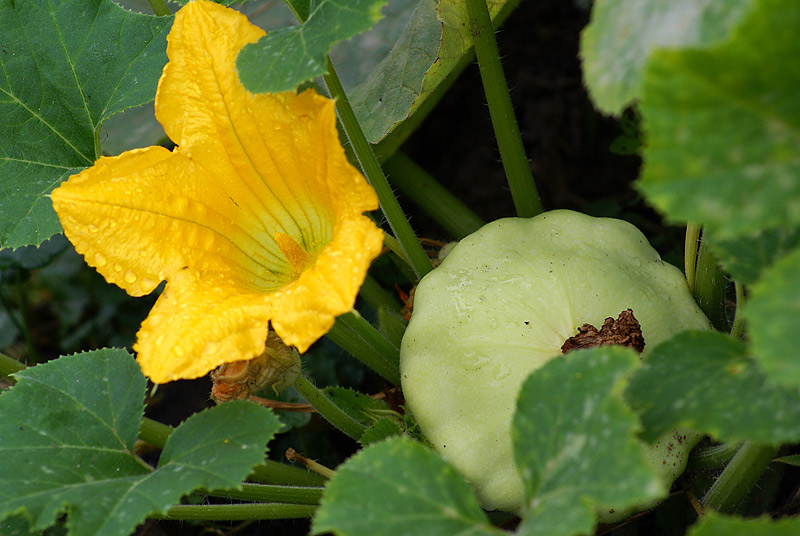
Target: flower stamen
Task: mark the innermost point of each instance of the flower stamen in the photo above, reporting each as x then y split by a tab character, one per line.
298	257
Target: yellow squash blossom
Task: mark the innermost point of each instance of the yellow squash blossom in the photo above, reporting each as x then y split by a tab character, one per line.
255	217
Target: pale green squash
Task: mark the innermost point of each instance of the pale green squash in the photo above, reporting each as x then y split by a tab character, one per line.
501	305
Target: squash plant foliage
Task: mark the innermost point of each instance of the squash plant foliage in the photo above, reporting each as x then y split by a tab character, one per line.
589	441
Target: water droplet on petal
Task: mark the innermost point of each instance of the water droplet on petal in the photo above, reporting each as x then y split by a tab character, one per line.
117	267
93	228
100	260
130	277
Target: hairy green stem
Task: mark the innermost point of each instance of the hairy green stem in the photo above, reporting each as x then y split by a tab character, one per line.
432	95
236	512
709	287
378	297
372	170
509	141
272	472
154	432
327	409
270	493
739	476
690	253
432	197
737	329
159	7
354	334
394	246
712	457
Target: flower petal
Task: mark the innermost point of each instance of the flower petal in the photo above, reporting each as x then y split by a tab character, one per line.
143	216
306	309
198	323
272	149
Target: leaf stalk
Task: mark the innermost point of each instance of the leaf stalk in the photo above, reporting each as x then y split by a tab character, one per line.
159	8
509	141
236	512
436	200
739	476
374	174
355	335
328	409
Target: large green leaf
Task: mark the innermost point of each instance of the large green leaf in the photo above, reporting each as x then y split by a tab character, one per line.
772	312
455	53
67	66
387	95
575	443
745	258
399	487
713	524
616	44
704	380
67	438
723	124
284	59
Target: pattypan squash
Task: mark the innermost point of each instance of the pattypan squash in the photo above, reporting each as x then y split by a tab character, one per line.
502	304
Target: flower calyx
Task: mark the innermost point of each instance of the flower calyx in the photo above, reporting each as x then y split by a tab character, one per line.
277	367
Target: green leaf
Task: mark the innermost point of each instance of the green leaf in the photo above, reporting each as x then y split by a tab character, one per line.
455	53
704	380
793	459
616	44
723	146
284	59
67	438
399	487
380	430
713	524
361	407
746	258
68	65
772	312
385	98
575	443
356	58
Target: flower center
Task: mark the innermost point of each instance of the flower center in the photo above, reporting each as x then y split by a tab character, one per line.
298	257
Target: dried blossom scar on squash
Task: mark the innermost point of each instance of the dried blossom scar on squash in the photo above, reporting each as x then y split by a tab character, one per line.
255	217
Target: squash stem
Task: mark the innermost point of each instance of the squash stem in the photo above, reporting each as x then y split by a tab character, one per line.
509	141
737	329
236	512
362	340
328	409
372	170
690	253
709	287
436	200
159	8
739	476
